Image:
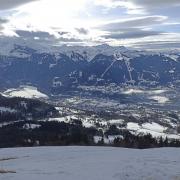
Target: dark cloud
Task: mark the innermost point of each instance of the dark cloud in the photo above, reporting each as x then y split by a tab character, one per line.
8	4
69	40
82	31
1	27
32	34
132	28
44	37
152	3
156	3
131	34
132	23
2	21
161	45
62	33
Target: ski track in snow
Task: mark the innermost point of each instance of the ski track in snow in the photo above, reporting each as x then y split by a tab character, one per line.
91	163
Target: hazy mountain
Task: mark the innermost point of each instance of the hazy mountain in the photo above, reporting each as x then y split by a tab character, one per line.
73	66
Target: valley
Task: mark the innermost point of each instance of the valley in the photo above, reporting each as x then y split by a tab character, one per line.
112	90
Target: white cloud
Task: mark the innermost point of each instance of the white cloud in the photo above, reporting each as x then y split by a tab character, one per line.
126	22
48	14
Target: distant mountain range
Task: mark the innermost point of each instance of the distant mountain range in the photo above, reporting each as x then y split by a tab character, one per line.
65	68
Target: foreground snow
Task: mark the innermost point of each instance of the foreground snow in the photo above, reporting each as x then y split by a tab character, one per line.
90	163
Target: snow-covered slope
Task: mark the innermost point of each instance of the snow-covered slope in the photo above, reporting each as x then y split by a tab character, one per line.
155	129
90	163
25	92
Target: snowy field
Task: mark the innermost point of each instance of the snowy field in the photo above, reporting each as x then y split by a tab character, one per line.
25	92
90	163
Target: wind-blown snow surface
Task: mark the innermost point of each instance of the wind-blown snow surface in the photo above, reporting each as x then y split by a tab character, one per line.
91	163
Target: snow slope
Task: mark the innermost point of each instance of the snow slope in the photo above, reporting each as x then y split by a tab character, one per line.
155	129
90	163
25	92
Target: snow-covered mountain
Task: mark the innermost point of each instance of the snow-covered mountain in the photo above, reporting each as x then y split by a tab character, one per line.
19	47
71	66
25	92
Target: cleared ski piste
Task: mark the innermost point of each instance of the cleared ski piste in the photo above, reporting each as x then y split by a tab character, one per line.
90	163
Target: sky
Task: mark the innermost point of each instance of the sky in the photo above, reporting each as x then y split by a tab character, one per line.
146	24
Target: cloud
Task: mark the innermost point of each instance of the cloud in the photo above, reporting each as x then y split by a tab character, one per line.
8	4
69	40
155	3
62	33
132	34
2	21
132	23
32	34
118	22
82	31
138	6
161	45
45	37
